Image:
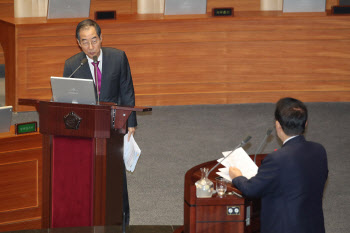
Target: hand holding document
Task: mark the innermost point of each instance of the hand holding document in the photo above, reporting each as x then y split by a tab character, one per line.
132	153
239	159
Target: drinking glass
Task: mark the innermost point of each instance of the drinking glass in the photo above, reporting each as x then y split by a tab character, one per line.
221	186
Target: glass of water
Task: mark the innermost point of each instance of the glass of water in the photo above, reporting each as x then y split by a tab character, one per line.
221	186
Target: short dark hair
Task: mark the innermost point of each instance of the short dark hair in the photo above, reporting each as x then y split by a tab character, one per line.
87	23
292	116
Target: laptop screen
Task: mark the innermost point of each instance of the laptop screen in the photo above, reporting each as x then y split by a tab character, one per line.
182	7
68	9
73	90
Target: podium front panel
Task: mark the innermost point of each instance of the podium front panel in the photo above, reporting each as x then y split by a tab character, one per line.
72	182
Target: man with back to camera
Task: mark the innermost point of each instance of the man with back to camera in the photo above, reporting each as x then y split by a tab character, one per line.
291	180
116	83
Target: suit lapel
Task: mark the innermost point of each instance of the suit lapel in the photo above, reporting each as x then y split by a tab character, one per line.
85	69
87	72
104	67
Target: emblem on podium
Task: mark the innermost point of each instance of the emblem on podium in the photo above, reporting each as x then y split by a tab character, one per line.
72	121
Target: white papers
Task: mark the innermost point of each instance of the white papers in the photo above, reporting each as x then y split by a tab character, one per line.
239	159
132	153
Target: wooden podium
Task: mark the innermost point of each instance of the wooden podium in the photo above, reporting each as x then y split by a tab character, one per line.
230	214
83	163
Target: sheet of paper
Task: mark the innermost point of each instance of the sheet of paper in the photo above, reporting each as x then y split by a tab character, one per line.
223	172
240	159
132	153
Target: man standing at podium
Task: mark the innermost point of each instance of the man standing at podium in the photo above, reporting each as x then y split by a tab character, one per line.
115	82
291	180
113	74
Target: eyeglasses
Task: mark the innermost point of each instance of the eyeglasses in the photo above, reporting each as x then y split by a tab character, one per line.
93	42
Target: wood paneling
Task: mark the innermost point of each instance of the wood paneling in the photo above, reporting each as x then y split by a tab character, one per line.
7	8
236	60
21	181
330	3
2	58
21	190
176	60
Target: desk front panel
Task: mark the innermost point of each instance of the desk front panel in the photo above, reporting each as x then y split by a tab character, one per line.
21	181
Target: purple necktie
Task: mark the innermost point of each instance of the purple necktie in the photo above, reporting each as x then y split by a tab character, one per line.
99	75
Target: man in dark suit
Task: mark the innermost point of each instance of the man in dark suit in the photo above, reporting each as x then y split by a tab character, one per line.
291	180
116	82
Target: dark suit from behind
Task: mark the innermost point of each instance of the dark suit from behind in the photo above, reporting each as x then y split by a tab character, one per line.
116	81
290	183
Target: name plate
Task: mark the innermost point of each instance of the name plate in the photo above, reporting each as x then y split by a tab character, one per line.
223	11
29	127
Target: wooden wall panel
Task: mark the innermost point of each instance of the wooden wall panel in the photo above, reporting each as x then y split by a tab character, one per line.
7	8
21	181
251	57
330	3
236	61
17	186
130	7
2	58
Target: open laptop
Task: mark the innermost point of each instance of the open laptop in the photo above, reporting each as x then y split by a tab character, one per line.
68	9
5	118
73	90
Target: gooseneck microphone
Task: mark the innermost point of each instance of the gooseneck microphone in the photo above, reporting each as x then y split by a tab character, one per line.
245	141
83	61
262	143
96	79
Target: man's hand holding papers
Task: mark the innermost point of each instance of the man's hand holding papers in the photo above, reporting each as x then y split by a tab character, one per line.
238	159
132	153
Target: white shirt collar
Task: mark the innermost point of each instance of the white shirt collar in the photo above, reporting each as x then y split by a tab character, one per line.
290	139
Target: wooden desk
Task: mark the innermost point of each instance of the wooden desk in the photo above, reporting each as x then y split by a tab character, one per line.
252	57
210	215
20	181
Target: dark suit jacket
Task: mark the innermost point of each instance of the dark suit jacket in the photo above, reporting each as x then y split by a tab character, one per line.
116	82
290	183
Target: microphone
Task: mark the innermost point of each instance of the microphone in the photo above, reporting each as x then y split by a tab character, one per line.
262	143
83	61
96	79
245	141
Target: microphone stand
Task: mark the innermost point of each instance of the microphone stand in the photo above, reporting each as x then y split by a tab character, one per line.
262	143
81	64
